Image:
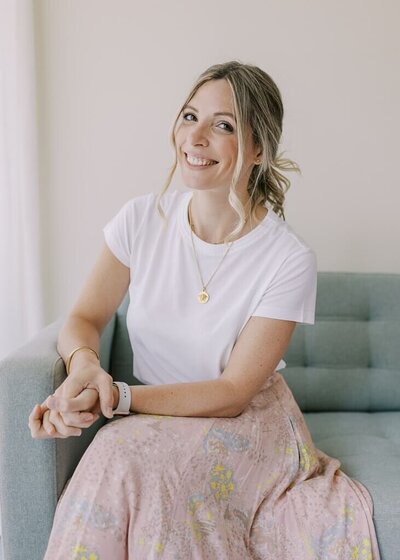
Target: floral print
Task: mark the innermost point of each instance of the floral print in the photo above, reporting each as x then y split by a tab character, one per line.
81	553
362	551
221	483
252	487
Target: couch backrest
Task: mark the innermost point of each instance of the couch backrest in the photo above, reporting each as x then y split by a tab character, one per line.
121	360
350	359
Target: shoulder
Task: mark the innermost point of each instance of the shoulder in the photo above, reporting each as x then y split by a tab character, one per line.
284	244
284	234
147	203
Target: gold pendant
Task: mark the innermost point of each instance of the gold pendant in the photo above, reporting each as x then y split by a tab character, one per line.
203	297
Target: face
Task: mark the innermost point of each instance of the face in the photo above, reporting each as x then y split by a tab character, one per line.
207	143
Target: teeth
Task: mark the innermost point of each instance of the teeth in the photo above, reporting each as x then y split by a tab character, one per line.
196	161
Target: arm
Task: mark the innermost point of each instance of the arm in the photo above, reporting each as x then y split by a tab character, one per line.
254	357
98	301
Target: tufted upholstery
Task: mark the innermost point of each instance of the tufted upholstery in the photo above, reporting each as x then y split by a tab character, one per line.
350	359
344	372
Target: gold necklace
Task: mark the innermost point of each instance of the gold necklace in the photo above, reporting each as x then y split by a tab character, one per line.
203	296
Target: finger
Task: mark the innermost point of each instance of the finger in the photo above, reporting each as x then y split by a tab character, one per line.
35	421
106	397
81	403
79	419
47	425
57	421
36	426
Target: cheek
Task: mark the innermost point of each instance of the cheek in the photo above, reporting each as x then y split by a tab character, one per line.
178	136
228	151
232	158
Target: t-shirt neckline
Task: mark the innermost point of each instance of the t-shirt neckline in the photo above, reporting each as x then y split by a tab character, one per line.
220	248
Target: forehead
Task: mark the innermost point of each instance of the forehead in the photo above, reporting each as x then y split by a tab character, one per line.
213	96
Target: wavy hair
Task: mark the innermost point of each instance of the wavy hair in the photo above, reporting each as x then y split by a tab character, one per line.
258	104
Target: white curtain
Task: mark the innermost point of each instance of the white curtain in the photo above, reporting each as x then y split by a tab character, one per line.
21	310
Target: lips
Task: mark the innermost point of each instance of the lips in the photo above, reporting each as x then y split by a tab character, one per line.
199	162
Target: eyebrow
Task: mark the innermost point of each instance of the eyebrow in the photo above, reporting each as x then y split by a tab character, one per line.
218	114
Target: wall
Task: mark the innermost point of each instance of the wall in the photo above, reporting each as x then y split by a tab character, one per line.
112	74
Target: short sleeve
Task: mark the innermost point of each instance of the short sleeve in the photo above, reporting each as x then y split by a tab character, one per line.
118	234
291	295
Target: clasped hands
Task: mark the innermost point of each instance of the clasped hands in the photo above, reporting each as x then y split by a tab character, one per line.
75	405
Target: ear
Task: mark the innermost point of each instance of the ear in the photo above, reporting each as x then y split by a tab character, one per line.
258	158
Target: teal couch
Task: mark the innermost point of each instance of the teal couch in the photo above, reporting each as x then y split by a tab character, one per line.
344	372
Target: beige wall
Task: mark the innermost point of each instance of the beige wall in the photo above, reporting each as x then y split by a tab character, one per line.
113	72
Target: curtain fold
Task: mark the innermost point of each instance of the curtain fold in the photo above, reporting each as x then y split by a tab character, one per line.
21	307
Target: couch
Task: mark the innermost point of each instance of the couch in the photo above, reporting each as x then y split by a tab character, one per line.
344	372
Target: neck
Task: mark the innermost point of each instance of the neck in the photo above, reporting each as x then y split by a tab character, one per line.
214	220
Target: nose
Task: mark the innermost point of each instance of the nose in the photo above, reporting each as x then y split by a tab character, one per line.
197	135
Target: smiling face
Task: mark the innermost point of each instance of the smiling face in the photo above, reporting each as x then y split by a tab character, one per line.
207	142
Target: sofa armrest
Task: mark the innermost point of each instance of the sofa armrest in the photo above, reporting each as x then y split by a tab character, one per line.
33	472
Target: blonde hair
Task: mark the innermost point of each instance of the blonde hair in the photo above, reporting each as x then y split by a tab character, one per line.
258	104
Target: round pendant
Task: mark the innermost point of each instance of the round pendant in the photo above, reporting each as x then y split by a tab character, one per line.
203	297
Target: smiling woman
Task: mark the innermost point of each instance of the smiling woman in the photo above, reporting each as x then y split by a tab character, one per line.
233	116
206	142
217	462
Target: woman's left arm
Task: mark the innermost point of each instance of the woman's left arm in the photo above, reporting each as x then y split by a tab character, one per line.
256	354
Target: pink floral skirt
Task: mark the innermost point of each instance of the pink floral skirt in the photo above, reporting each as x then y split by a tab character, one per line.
179	488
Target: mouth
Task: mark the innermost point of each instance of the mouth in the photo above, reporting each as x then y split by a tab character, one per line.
199	163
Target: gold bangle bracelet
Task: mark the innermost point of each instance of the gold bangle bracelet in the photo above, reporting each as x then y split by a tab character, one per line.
69	359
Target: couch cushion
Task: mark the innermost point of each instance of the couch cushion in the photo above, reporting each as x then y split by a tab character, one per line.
350	358
368	446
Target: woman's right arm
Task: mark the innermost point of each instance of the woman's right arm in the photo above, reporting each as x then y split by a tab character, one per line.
101	296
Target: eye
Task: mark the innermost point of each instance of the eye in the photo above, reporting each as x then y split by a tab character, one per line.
229	128
187	115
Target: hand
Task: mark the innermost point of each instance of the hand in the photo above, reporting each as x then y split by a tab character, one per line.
93	385
61	417
89	376
79	412
46	423
38	419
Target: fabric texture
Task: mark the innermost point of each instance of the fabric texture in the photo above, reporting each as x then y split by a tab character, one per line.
250	487
366	443
270	272
350	359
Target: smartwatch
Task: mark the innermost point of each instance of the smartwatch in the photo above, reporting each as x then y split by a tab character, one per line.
125	397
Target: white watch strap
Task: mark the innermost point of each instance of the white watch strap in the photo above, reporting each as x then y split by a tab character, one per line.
124	403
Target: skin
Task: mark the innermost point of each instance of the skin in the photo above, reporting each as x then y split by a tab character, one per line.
88	389
204	134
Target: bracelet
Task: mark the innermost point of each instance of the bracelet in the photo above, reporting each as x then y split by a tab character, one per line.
69	359
125	397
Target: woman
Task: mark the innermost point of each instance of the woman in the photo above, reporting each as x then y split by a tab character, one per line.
217	462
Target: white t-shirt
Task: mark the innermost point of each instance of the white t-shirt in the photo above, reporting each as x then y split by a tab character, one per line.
269	272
